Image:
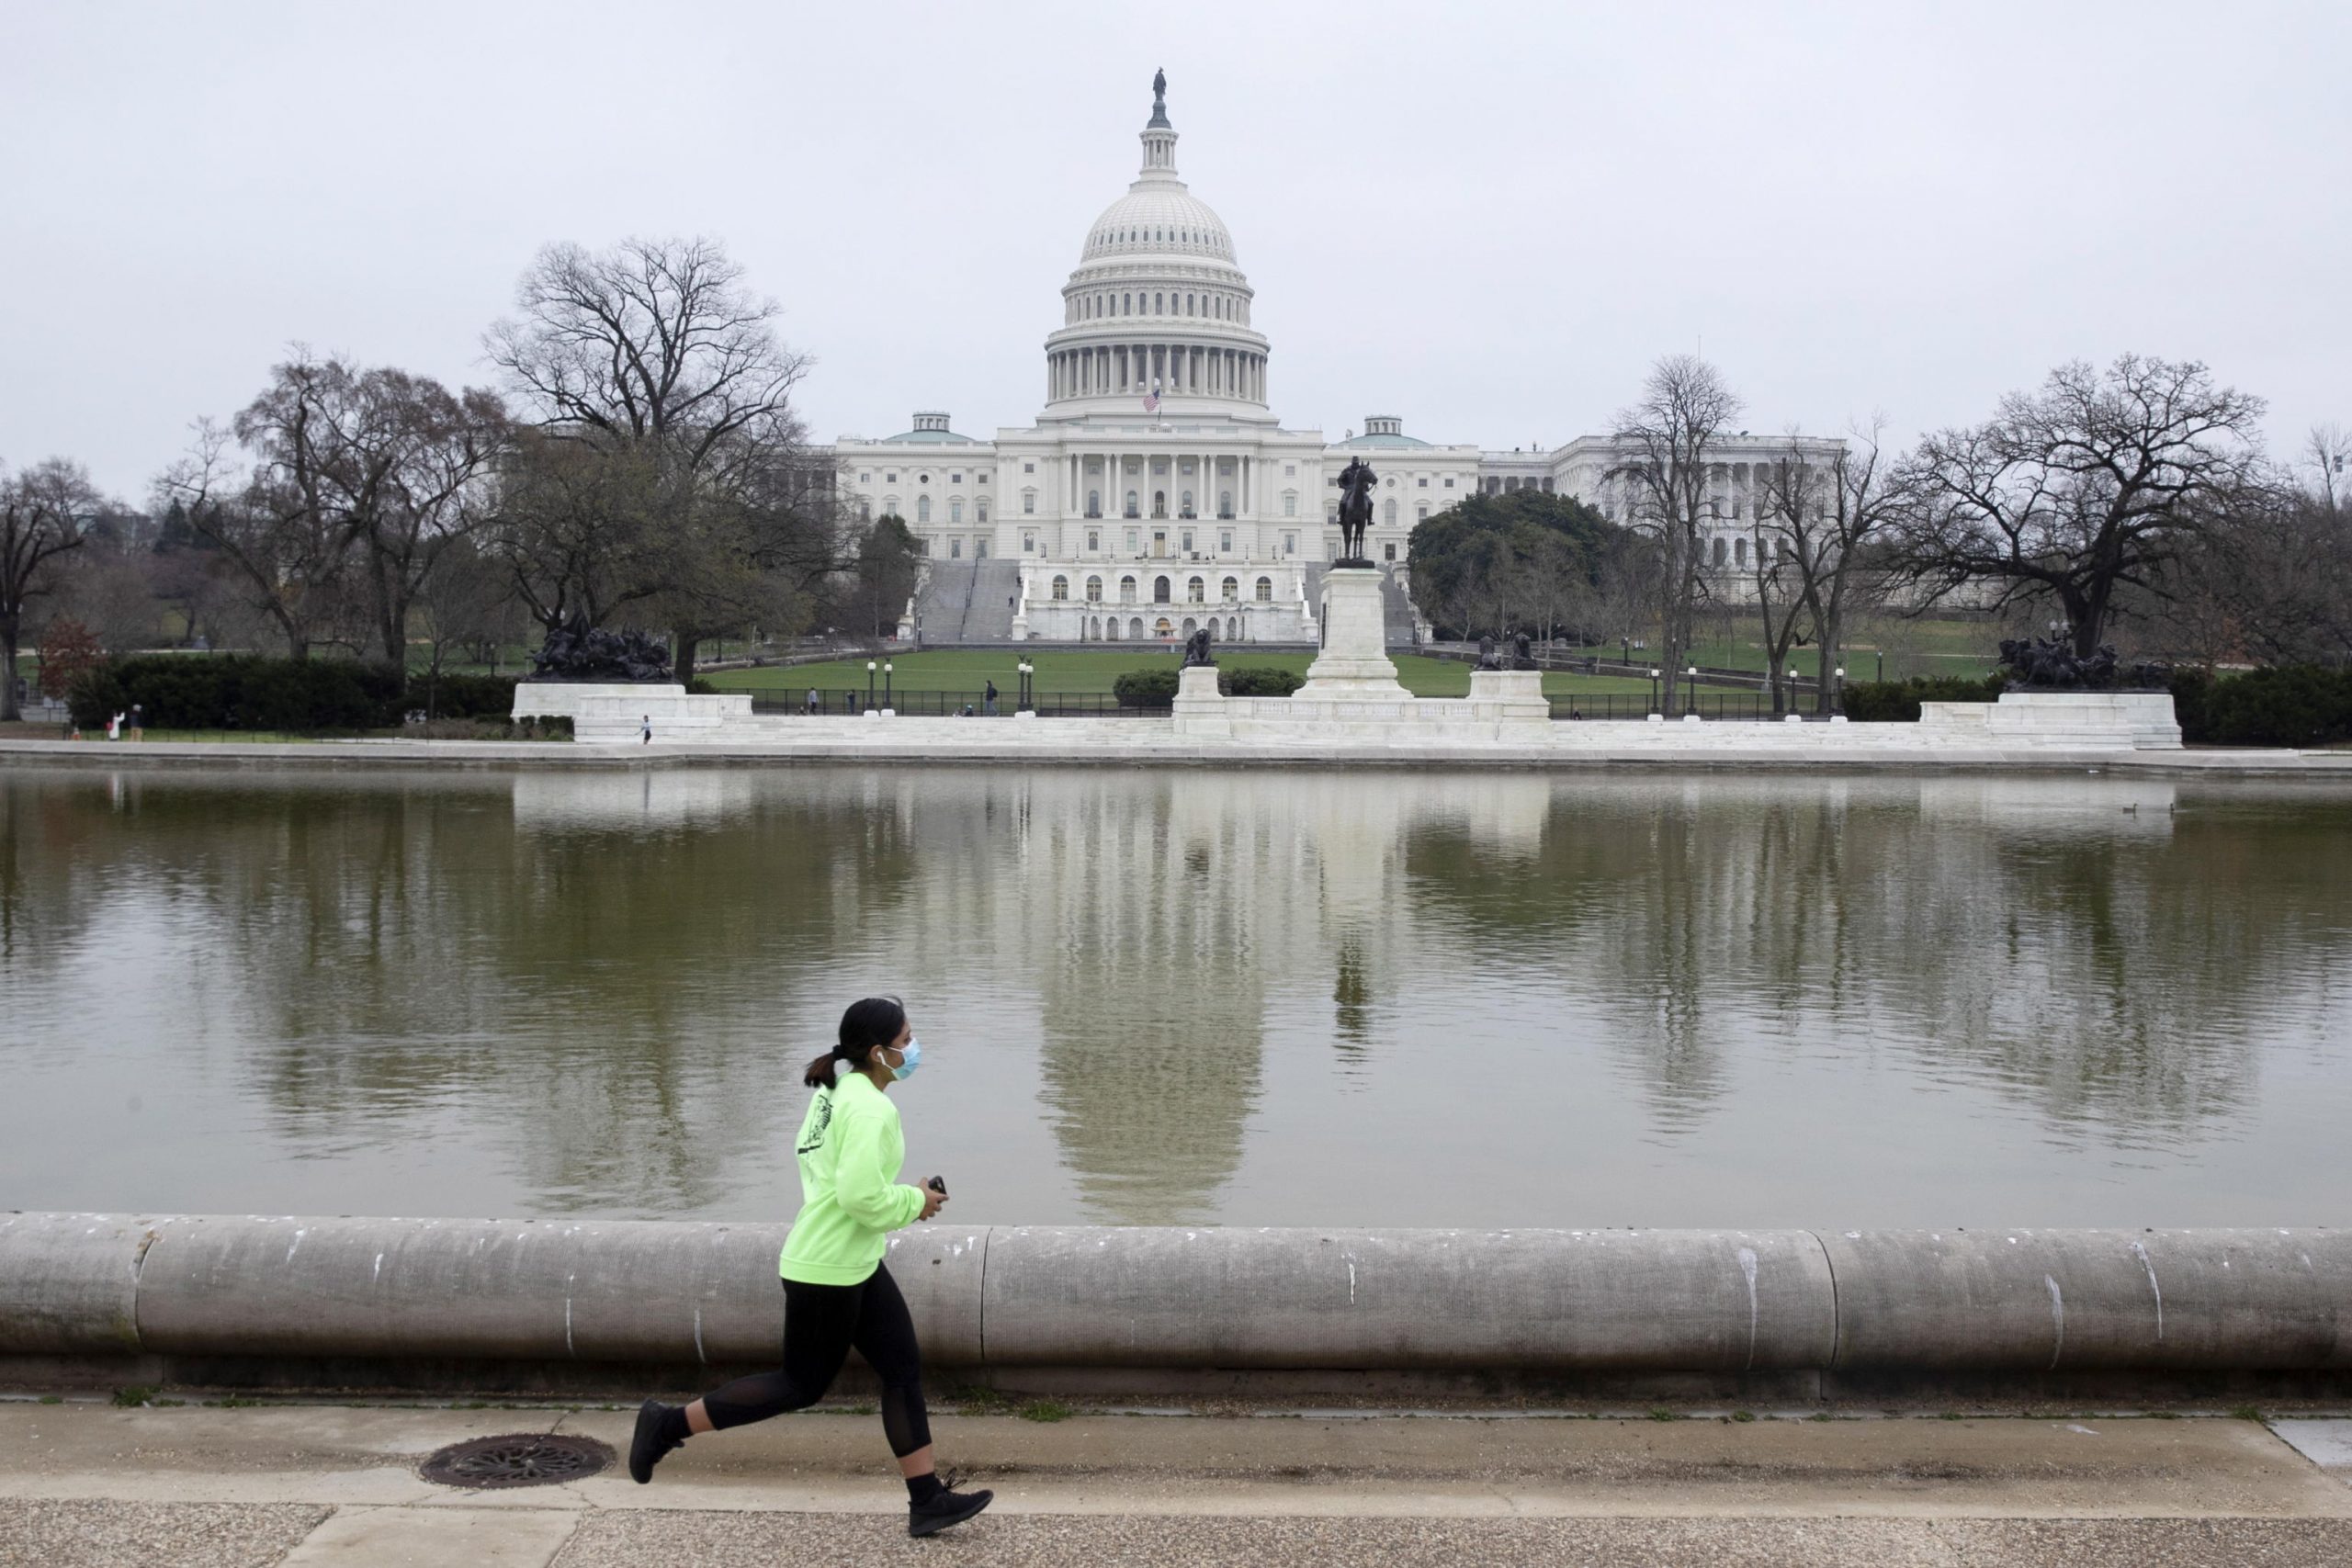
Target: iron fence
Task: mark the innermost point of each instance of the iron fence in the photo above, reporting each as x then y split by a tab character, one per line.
1735	707
951	704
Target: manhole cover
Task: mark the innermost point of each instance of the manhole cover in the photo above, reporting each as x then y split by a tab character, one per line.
522	1458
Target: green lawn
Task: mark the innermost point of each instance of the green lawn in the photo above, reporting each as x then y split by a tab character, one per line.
1089	671
1911	648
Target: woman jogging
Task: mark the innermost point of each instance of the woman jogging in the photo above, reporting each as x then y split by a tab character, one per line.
837	1291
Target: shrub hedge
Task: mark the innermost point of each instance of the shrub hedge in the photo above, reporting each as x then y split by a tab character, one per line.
1144	688
2291	705
1259	681
1898	702
241	691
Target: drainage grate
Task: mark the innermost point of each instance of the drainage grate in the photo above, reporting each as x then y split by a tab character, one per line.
520	1459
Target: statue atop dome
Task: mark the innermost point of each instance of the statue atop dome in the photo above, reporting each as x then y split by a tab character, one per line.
1159	98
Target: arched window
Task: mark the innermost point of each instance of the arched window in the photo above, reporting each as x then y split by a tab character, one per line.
1160	503
1231	589
1095	590
1135	627
1156	302
1094	538
1161	628
1196	591
982	506
1187	506
1388	513
1224	503
1126	304
1126	590
1265	591
1094	505
1110	628
1131	505
1720	552
889	506
1232	629
1191	626
922	509
1740	552
1159	591
1093	626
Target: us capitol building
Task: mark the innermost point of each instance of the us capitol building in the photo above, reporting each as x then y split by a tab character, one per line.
1157	490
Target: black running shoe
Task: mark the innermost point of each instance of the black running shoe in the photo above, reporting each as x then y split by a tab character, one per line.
947	1506
647	1446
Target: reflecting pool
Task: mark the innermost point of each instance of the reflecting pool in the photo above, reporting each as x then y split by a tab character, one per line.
1262	997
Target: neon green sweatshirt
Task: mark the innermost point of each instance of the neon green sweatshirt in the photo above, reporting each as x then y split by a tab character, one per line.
850	1150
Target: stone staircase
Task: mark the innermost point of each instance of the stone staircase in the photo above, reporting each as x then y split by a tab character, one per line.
1396	610
964	600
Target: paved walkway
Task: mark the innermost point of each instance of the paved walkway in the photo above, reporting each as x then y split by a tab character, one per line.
199	1487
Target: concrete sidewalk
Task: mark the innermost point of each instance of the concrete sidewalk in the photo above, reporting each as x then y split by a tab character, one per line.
86	1483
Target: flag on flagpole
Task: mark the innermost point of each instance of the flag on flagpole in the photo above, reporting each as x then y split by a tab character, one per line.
1151	401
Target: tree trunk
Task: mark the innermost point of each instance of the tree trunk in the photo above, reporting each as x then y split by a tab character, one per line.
1824	692
682	657
9	712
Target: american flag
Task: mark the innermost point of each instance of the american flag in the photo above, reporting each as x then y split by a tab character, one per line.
1151	401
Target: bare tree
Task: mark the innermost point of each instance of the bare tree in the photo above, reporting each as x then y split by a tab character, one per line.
2328	451
654	355
1829	510
1664	473
44	513
2079	491
292	558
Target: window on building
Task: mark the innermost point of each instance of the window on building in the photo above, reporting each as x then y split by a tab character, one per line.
1265	591
889	506
955	510
1094	503
1422	512
1423	481
865	479
923	545
1184	541
1159	591
954	479
1389	550
1126	590
1132	510
1230	589
1061	588
922	479
865	509
1028	544
980	548
984	479
1449	482
1290	469
1224	507
1029	502
1290	543
1225	541
1028	468
1196	591
1720	552
1184	508
1740	552
982	507
1131	542
1093	539
955	549
1290	504
922	509
1095	590
1388	513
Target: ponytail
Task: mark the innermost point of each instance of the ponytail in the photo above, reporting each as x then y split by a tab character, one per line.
873	1021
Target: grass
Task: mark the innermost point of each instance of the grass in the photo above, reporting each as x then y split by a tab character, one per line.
1044	1410
134	1395
1091	671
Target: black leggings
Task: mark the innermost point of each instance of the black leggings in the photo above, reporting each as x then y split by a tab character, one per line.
820	1324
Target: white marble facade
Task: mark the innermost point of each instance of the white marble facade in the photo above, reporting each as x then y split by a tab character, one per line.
1157	490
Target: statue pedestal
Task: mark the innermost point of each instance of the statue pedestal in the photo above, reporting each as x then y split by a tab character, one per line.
1505	695
1354	663
1200	707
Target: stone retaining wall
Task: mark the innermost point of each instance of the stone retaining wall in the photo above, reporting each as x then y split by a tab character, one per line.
1119	1304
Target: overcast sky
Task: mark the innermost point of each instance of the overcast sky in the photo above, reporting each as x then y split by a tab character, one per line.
1489	219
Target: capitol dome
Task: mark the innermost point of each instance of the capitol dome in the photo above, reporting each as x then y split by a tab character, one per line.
1158	310
1158	217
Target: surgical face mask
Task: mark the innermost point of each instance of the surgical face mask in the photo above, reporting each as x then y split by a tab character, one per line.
913	1059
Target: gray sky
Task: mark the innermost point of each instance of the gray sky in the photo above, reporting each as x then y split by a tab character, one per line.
1487	218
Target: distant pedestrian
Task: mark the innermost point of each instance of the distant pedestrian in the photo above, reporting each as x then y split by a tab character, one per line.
138	722
647	740
989	698
114	727
838	1291
813	704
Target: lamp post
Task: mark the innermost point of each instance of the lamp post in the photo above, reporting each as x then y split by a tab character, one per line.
1692	706
1654	674
870	683
1838	692
1027	670
886	702
1793	688
1625	646
1881	664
